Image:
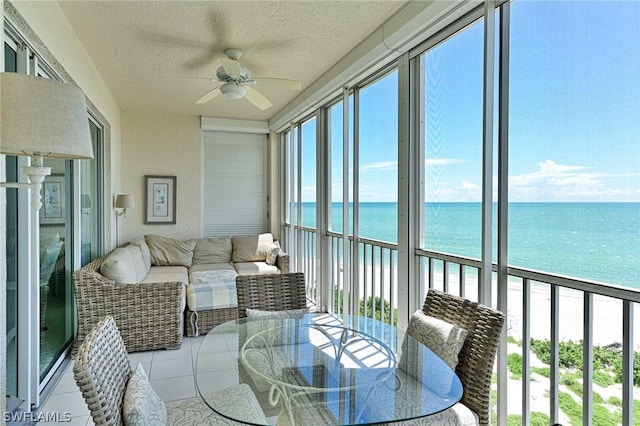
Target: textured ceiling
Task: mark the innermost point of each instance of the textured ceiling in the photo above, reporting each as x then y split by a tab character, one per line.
141	48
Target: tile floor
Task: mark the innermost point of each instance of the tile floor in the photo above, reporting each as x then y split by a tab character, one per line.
170	373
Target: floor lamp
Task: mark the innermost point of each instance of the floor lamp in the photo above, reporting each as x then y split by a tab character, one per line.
42	118
124	202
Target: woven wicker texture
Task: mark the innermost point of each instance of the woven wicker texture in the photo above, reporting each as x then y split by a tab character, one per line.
149	315
477	356
282	262
272	292
102	371
207	319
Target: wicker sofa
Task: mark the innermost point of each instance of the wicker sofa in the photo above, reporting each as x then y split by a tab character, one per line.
159	289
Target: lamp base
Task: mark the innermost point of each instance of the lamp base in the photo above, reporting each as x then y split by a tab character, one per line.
36	176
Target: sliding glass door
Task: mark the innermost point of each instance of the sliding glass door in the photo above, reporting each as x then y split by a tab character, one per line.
11	244
69	235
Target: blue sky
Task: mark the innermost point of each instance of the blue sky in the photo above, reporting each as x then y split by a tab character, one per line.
574	111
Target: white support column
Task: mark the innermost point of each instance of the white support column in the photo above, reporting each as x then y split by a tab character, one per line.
297	142
346	252
407	285
322	212
503	203
487	153
627	363
355	251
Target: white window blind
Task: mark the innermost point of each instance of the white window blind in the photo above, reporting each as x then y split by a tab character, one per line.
234	183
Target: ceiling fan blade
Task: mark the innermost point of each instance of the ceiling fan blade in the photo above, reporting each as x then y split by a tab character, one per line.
231	67
187	77
279	83
257	98
209	95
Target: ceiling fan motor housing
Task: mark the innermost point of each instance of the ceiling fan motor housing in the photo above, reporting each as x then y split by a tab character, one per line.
223	76
233	90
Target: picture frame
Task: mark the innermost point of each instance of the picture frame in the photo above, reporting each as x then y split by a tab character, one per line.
53	212
160	200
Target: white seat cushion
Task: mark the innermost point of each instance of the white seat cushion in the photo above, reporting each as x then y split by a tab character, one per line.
212	290
237	399
205	267
458	415
255	268
161	274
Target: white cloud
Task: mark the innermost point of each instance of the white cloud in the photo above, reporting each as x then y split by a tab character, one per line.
559	182
551	182
382	165
442	161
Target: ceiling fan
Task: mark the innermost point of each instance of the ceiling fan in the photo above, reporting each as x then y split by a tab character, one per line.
235	82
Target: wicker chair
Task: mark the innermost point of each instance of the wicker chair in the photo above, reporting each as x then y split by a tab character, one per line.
149	315
271	292
476	358
102	371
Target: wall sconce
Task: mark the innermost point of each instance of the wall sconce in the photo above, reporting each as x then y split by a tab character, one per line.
124	202
42	118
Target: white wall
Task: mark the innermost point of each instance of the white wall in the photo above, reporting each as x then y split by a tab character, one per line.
154	144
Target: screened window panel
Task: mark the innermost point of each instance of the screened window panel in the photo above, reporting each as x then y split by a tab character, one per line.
234	184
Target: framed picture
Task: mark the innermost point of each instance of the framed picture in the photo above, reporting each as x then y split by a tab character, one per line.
52	211
160	196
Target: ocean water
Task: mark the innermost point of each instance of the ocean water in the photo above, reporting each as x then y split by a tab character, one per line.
593	241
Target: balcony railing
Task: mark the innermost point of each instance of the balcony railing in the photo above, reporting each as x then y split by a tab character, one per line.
570	343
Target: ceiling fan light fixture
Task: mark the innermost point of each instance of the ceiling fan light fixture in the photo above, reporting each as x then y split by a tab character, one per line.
233	90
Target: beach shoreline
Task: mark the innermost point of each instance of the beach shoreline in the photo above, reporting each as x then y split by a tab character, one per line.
607	326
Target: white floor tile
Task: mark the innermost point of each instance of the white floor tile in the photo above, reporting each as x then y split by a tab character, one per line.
213	343
66	383
71	402
171	368
215	361
195	344
74	421
217	380
140	357
183	352
175	388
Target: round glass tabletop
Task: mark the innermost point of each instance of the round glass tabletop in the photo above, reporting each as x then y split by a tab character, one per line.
320	369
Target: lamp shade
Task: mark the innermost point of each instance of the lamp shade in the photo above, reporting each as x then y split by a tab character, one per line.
42	117
125	201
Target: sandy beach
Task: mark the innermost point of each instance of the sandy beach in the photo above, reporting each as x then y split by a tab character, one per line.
607	312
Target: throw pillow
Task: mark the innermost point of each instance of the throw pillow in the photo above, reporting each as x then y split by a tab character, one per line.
169	251
142	405
212	250
144	251
118	266
273	254
138	263
251	248
444	339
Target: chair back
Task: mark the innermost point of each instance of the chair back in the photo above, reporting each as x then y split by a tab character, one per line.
477	356
271	292
102	370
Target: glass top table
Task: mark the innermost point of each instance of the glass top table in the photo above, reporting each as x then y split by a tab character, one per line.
322	369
